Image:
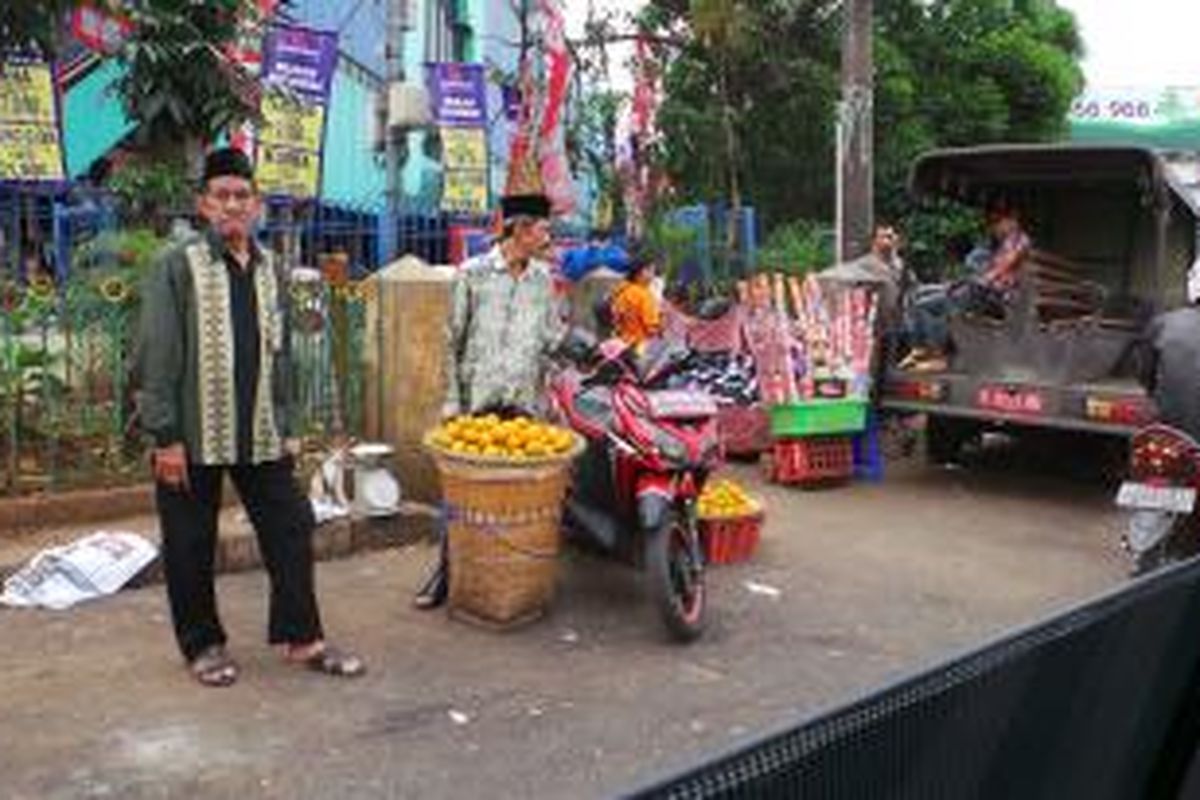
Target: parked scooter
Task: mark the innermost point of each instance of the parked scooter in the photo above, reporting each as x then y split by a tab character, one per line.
1164	475
649	452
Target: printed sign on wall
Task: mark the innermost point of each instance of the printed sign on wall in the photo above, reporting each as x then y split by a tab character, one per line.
30	141
458	99
298	66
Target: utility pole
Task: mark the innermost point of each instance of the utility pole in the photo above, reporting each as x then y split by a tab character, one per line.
395	138
855	134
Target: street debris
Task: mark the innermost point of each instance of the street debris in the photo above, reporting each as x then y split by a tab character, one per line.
764	589
569	636
92	567
458	717
326	510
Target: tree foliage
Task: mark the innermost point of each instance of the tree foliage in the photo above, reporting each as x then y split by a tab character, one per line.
948	72
180	81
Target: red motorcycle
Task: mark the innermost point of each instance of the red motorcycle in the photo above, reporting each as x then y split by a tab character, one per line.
649	452
1164	476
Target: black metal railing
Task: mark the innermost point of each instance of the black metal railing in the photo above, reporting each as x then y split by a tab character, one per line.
1100	702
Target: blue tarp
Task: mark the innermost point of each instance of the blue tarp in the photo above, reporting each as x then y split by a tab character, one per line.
579	261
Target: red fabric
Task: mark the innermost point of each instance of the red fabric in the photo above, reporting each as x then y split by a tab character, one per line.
716	335
769	340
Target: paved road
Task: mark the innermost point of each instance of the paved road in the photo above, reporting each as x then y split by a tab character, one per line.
874	581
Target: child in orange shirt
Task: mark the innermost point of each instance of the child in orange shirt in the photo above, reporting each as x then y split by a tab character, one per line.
635	309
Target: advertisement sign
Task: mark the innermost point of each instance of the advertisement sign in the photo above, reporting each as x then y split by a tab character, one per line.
458	100
297	74
457	95
1166	117
465	192
30	144
464	148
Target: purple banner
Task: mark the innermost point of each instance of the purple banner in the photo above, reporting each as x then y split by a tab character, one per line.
300	60
457	95
512	102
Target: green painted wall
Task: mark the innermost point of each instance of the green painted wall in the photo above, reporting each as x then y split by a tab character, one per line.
93	120
351	175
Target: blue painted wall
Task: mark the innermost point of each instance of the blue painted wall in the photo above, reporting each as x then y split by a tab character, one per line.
360	24
351	174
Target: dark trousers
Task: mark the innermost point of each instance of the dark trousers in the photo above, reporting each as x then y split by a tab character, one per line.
284	523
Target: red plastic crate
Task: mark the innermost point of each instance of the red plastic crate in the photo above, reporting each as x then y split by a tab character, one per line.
812	460
744	431
730	540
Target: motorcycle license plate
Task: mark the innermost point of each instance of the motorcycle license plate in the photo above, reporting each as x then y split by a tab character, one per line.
1175	499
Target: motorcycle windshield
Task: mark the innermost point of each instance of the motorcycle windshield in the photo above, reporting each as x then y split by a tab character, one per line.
595	406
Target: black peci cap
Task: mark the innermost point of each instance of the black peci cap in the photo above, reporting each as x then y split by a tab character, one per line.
525	205
227	162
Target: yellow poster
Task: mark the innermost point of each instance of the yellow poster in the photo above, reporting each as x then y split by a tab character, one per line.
30	153
287	170
464	148
30	147
291	122
465	191
27	93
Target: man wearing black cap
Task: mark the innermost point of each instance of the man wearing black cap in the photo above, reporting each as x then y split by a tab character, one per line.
504	322
214	397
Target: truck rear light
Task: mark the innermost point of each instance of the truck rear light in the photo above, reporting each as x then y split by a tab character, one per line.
1119	411
924	391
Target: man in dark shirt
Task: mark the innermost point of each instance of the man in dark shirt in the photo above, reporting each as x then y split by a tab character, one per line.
214	397
1170	362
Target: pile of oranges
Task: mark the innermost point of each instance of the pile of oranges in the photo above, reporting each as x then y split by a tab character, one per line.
513	439
724	498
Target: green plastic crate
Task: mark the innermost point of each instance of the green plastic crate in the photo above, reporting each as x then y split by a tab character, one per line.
818	418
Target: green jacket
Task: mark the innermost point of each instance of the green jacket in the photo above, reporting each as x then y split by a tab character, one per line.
185	355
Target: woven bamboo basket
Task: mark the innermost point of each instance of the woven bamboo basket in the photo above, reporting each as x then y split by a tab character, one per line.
504	533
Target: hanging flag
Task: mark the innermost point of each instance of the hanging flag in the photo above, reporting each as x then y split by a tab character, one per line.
524	173
552	161
99	30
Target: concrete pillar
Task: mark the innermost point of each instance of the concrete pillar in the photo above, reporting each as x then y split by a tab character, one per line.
407	309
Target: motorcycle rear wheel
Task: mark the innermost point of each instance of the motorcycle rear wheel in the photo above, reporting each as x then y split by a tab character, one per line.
676	579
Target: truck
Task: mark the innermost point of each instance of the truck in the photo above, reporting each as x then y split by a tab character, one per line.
1114	234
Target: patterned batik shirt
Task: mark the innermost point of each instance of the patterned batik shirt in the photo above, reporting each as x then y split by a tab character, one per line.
501	331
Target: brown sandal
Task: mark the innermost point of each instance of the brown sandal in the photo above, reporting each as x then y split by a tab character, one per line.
214	668
338	663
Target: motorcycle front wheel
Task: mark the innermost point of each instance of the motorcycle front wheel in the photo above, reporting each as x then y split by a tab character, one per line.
1151	539
675	569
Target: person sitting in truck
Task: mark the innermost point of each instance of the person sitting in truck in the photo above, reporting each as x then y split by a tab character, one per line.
986	293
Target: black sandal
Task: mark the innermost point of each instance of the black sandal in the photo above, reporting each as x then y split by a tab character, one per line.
338	663
214	668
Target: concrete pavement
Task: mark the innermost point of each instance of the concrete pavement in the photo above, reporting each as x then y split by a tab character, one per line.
874	581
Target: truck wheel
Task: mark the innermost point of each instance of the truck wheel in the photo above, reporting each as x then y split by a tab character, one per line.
945	437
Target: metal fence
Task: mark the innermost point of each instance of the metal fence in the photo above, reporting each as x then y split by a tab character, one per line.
67	415
1102	702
